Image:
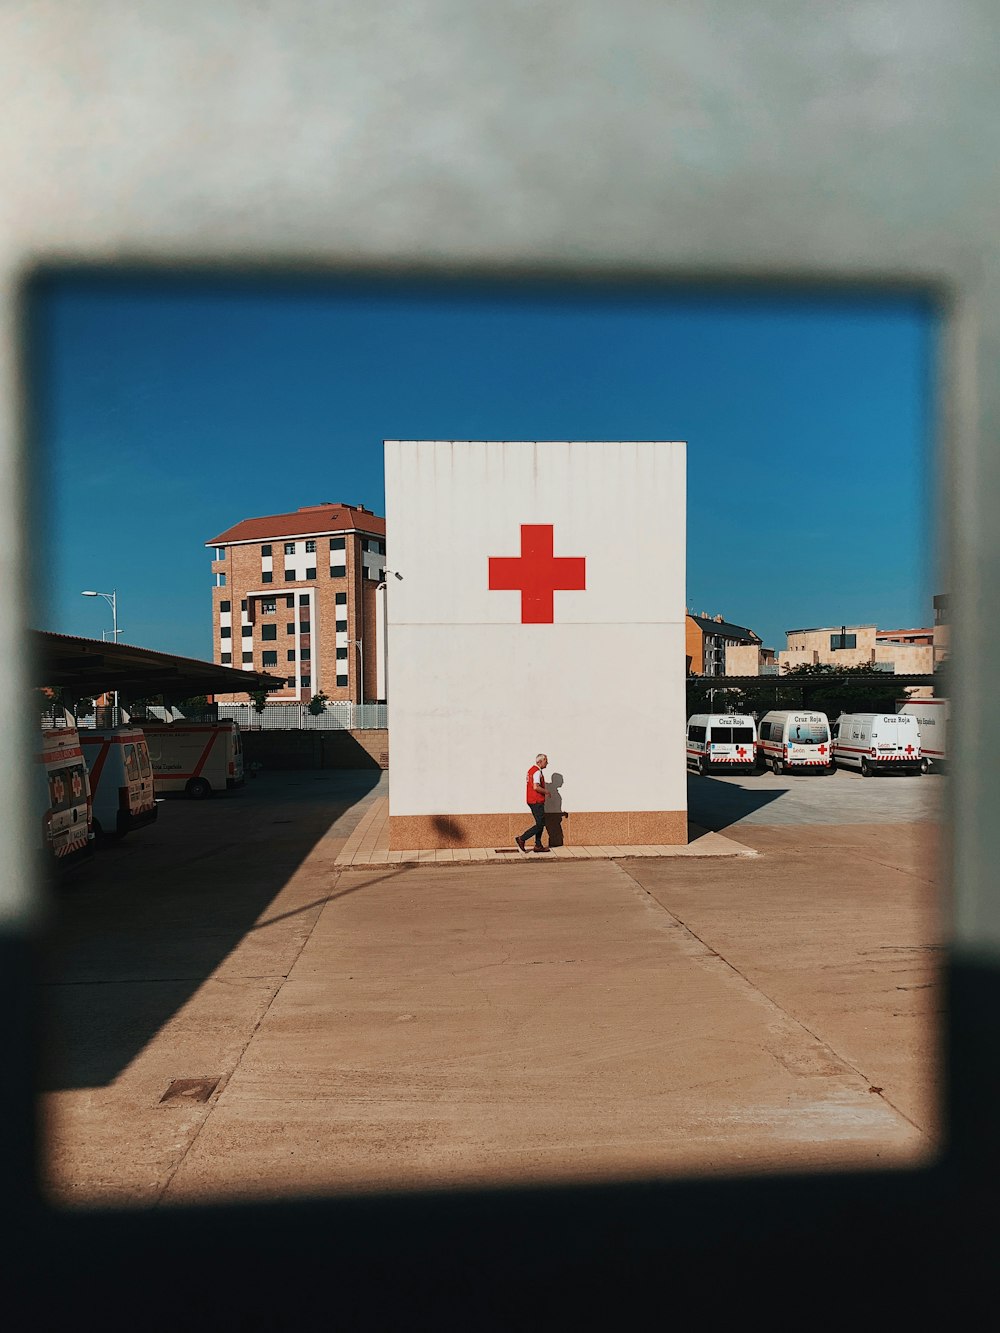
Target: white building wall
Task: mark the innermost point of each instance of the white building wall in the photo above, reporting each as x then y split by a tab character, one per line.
475	692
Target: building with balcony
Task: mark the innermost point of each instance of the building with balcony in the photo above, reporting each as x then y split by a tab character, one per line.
709	641
297	595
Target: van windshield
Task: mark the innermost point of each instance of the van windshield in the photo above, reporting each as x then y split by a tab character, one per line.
808	733
732	735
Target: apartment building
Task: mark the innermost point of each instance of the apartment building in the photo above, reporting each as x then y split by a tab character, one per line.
709	640
297	595
904	652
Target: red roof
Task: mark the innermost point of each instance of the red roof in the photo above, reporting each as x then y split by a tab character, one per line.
303	523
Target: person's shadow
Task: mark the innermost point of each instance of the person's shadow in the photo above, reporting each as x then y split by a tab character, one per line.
554	814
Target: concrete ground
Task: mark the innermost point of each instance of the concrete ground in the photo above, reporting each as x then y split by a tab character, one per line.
540	1020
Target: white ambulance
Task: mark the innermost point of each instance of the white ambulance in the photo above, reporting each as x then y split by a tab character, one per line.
721	738
62	796
874	741
195	758
794	738
121	779
932	718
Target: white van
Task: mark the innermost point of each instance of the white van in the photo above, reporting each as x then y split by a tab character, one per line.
932	718
794	738
721	738
65	833
121	779
873	741
196	758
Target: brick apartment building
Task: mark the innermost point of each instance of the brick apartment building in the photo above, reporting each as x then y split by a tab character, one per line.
296	595
711	645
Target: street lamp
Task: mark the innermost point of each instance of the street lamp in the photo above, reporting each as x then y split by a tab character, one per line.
112	600
361	684
385	628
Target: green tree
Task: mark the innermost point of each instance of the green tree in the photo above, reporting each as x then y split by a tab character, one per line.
317	703
258	698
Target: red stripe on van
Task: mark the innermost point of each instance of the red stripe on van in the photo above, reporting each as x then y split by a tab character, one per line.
205	753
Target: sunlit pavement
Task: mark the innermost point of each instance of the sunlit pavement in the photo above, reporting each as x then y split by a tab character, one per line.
424	1026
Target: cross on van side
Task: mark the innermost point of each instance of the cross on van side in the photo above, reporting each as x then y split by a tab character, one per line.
721	738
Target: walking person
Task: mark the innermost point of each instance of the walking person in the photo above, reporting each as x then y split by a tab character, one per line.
536	803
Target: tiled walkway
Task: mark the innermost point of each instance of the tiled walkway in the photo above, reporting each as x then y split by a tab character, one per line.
368	845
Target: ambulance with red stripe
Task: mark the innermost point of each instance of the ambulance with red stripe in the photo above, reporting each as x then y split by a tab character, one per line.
721	738
195	758
121	779
62	796
795	739
932	718
874	742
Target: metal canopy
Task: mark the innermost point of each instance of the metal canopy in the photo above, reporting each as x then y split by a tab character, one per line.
86	667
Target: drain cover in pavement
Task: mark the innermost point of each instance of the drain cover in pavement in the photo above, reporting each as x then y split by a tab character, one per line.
506	851
190	1089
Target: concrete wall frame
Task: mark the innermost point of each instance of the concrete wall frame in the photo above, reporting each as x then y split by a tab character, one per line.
851	144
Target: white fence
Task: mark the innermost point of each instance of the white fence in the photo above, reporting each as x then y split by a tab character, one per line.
297	717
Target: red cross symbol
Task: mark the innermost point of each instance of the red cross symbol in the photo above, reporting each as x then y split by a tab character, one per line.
741	752
822	749
536	573
909	749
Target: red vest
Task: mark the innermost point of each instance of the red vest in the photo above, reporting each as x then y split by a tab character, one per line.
535	774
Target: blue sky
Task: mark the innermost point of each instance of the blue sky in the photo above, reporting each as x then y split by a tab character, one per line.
168	409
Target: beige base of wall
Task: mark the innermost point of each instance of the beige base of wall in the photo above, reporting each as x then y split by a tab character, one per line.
592	828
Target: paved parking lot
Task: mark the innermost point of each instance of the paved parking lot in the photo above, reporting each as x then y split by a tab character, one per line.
422	1025
719	801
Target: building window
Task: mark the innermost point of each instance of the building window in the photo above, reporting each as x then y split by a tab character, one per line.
838	641
289	548
290	627
290	682
310	547
248	631
290	574
225	632
222	580
220	553
268	606
305	626
307	680
225	606
341	654
311	573
340	598
248	657
340	626
290	601
226	659
267	576
243	604
305	655
338	571
269	659
265	550
268	631
341	680
338	543
303	599
291	655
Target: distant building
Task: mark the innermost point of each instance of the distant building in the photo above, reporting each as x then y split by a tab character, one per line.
295	595
902	651
710	640
942	628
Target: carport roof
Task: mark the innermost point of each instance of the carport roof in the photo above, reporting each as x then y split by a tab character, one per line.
90	666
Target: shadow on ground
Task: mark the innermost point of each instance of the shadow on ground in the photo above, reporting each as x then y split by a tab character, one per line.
132	938
716	805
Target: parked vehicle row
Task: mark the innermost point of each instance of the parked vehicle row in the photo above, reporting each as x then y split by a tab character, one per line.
790	740
104	782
